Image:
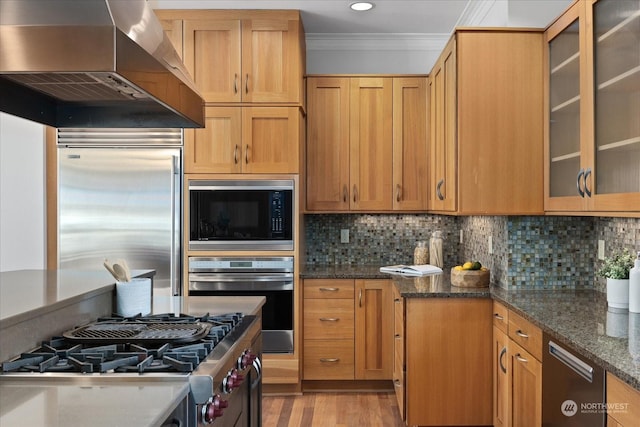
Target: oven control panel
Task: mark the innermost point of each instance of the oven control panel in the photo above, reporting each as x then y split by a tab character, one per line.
240	264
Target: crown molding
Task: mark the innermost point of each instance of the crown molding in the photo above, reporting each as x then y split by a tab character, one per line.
475	13
375	41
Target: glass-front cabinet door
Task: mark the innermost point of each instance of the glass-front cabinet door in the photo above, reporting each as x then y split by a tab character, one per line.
592	149
563	155
616	91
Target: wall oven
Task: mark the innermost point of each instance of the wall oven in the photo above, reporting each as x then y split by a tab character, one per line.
241	214
271	277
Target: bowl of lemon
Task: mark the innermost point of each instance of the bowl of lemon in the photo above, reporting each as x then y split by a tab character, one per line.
471	274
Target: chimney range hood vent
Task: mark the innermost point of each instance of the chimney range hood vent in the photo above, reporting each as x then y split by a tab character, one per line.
92	63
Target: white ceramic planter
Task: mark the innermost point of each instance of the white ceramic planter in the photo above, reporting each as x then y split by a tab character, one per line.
618	293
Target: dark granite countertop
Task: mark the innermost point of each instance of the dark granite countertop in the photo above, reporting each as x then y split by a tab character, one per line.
579	319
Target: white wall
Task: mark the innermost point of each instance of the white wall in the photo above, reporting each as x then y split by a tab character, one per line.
22	194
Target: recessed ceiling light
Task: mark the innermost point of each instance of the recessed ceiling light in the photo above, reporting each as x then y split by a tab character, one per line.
361	6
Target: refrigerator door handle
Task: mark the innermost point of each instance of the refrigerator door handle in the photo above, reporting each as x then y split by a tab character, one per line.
176	186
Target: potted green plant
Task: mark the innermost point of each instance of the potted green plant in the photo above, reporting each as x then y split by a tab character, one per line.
616	270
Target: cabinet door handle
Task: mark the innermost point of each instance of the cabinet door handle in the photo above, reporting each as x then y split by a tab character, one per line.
345	194
246	154
329	289
360	298
438	192
521	334
397	383
398	193
396	300
246	84
329	360
521	359
235	83
355	193
502	353
235	154
329	319
398	336
497	316
587	173
580	175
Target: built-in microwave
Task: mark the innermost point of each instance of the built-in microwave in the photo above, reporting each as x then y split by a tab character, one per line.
241	214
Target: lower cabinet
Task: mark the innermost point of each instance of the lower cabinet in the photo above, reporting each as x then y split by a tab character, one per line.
447	361
348	329
623	403
517	370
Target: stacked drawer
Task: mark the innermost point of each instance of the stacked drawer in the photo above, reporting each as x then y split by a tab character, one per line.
328	330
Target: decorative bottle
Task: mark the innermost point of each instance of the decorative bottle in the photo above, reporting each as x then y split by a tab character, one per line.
634	286
435	249
421	254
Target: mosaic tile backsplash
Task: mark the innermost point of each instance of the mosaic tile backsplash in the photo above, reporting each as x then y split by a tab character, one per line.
540	252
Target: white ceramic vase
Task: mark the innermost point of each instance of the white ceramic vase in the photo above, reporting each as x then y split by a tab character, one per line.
618	293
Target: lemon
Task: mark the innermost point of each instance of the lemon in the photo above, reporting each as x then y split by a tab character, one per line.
457	267
467	265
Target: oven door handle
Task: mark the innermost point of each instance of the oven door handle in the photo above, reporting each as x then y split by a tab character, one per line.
240	282
257	365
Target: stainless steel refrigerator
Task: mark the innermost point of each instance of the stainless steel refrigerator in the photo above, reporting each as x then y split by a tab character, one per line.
119	196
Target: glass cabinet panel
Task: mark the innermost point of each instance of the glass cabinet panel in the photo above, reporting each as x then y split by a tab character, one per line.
564	99
616	41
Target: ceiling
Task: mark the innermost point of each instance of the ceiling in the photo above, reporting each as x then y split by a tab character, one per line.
335	16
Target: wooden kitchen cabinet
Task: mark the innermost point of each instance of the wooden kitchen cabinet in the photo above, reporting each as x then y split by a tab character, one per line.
348	329
486	140
373	329
447	361
501	377
366	143
245	140
592	132
517	370
249	56
398	351
624	403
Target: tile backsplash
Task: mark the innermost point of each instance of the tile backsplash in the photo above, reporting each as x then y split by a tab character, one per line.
541	252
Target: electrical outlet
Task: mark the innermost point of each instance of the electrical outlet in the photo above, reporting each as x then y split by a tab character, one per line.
600	249
344	235
490	244
461	237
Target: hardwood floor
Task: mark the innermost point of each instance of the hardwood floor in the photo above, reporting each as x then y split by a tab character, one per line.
331	410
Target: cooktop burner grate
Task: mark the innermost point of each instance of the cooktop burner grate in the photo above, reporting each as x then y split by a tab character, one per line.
115	332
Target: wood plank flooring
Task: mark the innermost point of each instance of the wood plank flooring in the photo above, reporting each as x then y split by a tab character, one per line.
374	409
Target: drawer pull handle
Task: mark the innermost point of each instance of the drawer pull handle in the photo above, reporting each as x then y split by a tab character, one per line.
396	300
521	359
497	316
521	334
397	383
329	289
398	336
329	360
329	319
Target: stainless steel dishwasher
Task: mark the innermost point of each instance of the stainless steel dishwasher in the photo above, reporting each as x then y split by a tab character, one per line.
573	388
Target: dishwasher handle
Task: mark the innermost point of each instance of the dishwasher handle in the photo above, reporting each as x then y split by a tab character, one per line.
571	361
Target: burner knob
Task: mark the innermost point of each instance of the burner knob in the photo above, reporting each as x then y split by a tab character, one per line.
246	359
213	409
232	381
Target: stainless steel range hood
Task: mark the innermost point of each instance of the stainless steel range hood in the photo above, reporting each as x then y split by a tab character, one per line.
92	63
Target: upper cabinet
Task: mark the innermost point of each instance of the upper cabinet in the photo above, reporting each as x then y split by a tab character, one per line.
366	143
486	138
252	56
245	140
592	131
